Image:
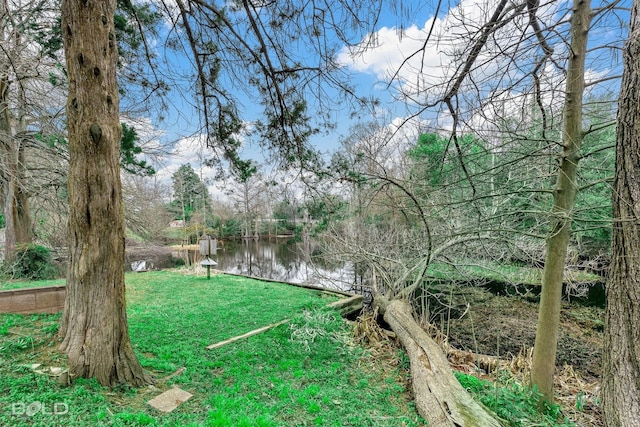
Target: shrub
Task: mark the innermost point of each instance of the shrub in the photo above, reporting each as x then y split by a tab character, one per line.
33	262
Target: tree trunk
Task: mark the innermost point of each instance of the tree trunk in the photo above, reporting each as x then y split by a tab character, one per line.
439	397
15	197
621	359
94	323
544	353
16	209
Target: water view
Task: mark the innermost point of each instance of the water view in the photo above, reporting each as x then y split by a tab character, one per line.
277	259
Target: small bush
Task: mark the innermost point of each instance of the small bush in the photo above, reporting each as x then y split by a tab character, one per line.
513	402
33	262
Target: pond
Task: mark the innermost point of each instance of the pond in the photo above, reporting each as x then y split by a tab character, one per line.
277	259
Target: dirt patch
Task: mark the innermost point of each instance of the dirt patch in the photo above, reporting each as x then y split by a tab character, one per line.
476	320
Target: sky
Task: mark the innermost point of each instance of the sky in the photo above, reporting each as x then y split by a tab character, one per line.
393	54
368	73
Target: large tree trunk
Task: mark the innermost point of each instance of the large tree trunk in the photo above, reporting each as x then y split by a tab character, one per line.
544	352
439	397
94	324
621	361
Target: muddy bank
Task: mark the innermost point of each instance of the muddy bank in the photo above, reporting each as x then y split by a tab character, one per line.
477	320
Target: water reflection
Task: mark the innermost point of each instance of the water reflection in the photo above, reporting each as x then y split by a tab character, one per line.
283	260
276	259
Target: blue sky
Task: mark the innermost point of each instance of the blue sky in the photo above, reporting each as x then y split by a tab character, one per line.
371	71
182	121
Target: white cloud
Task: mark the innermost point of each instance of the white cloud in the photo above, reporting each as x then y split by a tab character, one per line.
190	150
403	54
499	85
422	71
390	48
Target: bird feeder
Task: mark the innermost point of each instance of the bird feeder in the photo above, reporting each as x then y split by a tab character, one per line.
208	246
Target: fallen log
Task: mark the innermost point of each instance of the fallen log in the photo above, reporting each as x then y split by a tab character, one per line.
439	397
247	335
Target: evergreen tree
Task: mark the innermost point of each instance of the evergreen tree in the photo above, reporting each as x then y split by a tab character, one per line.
190	194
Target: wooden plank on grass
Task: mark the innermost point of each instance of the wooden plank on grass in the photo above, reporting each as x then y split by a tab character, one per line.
248	334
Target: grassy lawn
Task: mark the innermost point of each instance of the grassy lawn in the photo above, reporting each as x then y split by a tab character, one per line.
11	284
305	372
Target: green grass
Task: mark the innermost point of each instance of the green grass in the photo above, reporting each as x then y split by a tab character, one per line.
503	273
15	284
515	404
305	372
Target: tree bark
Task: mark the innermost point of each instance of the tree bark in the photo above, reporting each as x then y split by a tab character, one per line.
544	353
94	323
621	359
439	397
